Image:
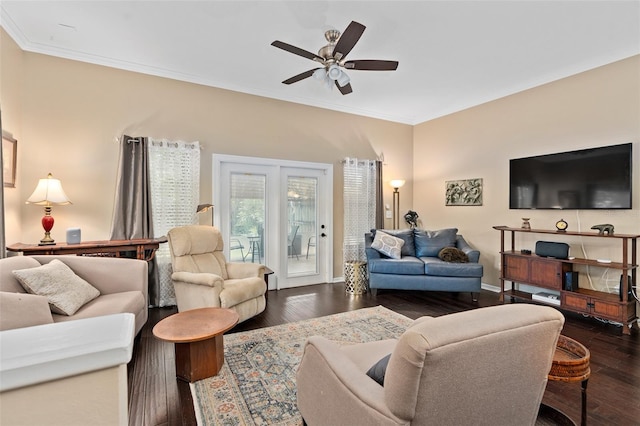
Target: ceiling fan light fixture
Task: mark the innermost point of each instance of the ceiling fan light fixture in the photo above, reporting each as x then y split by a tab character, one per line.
320	74
344	79
334	72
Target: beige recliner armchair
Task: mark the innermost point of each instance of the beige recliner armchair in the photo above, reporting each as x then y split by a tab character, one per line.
487	366
203	278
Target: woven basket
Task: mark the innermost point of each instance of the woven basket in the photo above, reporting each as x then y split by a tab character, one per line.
570	361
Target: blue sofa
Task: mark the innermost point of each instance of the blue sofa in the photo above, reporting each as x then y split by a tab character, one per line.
419	267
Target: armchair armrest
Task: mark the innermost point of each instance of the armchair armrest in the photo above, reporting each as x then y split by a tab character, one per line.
245	270
202	278
327	373
473	254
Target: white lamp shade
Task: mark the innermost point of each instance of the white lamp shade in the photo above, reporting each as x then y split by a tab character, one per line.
334	72
319	74
49	192
344	79
397	183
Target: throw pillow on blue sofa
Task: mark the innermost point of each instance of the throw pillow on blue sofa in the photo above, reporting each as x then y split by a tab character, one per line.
429	243
408	248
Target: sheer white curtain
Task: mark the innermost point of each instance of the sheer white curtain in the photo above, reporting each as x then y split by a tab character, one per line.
360	177
174	178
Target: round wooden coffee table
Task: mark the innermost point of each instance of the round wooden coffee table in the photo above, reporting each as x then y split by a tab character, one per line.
197	335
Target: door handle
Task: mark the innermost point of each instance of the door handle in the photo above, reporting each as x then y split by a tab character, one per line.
323	235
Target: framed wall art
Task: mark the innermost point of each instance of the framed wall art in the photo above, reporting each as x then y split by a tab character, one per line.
9	157
466	192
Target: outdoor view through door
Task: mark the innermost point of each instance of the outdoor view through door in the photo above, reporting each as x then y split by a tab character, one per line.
247	218
302	214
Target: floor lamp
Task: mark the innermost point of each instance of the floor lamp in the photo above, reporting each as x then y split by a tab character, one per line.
396	184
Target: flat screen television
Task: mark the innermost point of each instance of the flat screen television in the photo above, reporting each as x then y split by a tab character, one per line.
595	178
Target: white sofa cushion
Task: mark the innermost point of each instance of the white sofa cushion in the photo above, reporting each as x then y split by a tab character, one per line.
388	245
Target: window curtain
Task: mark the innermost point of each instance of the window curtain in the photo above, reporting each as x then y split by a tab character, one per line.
132	211
360	194
175	191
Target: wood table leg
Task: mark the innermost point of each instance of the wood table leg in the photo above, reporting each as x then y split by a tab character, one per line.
199	360
583	421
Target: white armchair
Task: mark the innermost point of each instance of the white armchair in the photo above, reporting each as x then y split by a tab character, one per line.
202	277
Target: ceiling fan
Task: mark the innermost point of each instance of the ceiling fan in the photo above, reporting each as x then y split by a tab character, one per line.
332	57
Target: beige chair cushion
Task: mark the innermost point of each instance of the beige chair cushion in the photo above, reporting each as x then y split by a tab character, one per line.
66	291
19	310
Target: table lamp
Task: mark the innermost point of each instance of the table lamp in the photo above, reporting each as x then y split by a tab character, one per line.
49	192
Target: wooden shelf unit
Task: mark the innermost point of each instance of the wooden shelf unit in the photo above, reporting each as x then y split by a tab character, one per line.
549	273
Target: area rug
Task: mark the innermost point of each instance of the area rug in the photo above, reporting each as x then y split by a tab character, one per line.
257	383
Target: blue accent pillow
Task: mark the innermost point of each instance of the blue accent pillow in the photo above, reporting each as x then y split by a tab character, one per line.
429	243
378	370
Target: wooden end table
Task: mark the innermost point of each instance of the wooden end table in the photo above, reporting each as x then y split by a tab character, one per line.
197	335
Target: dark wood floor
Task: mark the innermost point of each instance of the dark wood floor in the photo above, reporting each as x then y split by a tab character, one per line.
157	398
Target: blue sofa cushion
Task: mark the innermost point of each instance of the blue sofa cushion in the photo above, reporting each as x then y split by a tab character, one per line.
439	268
409	248
429	243
408	265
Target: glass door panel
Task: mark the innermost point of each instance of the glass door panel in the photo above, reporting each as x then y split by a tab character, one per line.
302	193
247	217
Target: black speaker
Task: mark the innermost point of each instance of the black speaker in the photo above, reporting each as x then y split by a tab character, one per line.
629	297
552	249
571	281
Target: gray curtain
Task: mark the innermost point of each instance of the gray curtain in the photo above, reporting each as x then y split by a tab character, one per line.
132	211
379	200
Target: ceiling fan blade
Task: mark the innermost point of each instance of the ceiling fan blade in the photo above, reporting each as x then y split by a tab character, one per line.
371	65
348	39
346	89
297	51
300	76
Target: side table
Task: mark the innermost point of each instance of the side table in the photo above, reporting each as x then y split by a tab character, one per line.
571	364
197	335
355	277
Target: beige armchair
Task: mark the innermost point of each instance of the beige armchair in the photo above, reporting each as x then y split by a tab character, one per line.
203	278
486	366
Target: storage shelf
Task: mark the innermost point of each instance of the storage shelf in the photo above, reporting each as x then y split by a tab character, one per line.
549	272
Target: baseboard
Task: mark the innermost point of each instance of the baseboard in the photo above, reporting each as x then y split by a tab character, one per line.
489	287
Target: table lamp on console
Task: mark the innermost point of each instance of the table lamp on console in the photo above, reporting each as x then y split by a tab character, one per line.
48	193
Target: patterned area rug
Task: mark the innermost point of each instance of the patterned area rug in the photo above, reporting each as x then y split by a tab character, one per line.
257	385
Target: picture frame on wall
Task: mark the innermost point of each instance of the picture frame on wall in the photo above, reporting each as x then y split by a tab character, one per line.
9	159
466	192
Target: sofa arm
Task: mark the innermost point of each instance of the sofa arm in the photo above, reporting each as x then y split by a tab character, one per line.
245	270
198	278
472	254
372	253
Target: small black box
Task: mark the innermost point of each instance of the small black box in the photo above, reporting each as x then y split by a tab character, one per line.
552	249
571	281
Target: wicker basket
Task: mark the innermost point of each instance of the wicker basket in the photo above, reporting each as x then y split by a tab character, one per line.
570	361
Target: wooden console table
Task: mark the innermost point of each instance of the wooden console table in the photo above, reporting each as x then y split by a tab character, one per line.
145	248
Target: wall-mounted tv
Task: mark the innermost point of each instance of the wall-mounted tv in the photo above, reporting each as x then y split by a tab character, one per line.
595	178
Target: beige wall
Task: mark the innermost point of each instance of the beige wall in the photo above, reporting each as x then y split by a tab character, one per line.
71	113
596	108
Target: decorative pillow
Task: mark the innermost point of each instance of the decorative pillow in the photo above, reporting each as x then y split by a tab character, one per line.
409	248
388	245
66	291
454	255
429	243
378	370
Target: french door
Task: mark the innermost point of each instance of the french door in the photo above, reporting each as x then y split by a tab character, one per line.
277	213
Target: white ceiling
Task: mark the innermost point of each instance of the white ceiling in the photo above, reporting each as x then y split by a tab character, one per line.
452	54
